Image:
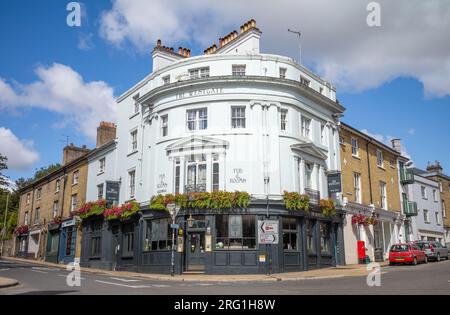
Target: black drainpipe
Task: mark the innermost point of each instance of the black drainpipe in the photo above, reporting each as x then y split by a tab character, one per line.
368	166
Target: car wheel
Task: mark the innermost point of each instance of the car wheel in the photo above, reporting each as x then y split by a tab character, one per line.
415	261
391	264
438	258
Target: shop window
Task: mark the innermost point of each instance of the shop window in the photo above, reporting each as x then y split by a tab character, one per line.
127	240
177	177
96	239
158	235
70	243
235	232
290	234
325	238
310	237
53	242
215	173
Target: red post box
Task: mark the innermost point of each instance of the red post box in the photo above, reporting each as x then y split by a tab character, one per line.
361	250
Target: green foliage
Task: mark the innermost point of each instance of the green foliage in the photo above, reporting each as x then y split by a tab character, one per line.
44	171
217	200
3	166
328	207
296	201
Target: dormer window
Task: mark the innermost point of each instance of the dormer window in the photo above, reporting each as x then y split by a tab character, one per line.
305	81
166	80
283	73
136	104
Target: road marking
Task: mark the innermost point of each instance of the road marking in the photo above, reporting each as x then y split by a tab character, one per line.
4	269
125	280
65	276
124	285
161	286
38	271
43	269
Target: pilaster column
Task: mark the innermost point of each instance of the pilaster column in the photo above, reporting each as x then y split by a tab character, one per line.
321	182
302	175
315	175
182	174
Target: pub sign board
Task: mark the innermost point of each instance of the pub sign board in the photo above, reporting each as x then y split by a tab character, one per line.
112	193
334	183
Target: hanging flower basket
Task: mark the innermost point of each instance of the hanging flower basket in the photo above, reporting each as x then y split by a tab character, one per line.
296	201
90	209
360	219
328	207
217	200
23	229
125	211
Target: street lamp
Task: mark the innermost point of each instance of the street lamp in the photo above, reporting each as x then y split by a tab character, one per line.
173	211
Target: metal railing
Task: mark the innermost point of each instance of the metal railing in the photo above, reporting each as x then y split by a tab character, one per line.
314	195
406	176
195	188
410	208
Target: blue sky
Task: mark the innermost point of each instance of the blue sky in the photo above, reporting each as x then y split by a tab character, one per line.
396	97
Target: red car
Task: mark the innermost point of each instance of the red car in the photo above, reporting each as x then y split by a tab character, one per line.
406	253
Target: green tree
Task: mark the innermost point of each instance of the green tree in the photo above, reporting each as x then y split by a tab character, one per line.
3	166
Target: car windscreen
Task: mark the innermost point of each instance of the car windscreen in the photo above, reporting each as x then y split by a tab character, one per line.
399	248
423	245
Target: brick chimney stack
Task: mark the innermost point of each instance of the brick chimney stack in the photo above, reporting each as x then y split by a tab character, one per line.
397	145
106	132
71	152
434	168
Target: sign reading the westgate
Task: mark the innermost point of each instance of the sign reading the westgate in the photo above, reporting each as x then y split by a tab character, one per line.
112	193
202	92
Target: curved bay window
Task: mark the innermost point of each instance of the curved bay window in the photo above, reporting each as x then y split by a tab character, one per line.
290	234
325	238
235	232
310	237
158	235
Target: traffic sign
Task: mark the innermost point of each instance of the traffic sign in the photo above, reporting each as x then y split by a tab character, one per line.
267	232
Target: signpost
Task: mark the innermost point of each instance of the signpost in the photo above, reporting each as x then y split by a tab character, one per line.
173	210
268	232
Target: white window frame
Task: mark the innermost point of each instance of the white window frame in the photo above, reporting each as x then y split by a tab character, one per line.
444	211
435	198
132	183
383	195
102	186
101	165
238	121
75	177
438	218
136	105
238	70
380	158
282	72
39	194
164	125
284	121
426	216
357	186
25	218
306	128
28	199
166	79
197	120
423	192
55	208
133	141
197	73
73	202
196	163
355	146
58	186
305	81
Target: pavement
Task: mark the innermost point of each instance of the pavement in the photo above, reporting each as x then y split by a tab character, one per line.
38	279
325	273
7	282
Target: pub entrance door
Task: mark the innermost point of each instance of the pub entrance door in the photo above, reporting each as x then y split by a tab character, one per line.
195	251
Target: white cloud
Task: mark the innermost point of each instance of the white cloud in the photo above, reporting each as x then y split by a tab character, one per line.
412	40
62	90
20	153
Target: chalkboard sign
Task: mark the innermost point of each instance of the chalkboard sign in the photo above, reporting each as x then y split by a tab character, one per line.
112	193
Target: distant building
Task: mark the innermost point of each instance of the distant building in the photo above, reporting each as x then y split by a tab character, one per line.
371	194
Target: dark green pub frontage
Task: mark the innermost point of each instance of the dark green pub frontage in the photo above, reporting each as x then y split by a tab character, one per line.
215	241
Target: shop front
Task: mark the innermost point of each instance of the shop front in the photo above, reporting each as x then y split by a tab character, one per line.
215	241
52	247
68	241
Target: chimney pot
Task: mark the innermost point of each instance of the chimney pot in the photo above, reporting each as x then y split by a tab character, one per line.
180	50
158	43
397	145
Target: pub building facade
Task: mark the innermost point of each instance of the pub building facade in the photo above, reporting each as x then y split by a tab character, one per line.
230	120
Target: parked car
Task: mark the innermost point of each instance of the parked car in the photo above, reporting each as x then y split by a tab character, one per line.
406	253
434	250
